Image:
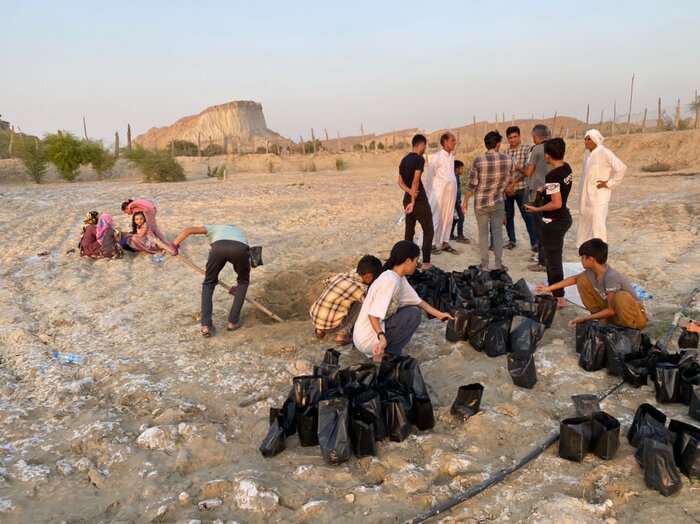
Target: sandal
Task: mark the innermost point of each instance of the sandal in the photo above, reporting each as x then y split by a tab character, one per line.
236	326
342	340
319	334
450	249
435	250
209	332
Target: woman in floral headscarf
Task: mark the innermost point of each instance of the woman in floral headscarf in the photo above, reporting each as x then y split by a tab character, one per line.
97	239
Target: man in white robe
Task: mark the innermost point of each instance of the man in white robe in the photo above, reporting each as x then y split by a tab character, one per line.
602	171
441	187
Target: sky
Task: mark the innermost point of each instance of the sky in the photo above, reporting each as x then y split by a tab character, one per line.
336	65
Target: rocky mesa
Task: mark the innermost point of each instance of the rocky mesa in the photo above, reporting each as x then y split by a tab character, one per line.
234	125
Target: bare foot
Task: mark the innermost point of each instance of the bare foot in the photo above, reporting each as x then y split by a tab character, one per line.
319	333
561	302
427	265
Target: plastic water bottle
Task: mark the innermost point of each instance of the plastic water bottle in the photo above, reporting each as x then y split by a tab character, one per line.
643	294
401	219
69	358
157	260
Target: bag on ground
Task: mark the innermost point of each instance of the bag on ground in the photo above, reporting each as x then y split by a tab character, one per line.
522	370
660	471
468	401
605	435
574	438
334	430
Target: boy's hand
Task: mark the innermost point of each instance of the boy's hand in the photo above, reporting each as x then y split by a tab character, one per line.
577	320
409	208
446	316
541	288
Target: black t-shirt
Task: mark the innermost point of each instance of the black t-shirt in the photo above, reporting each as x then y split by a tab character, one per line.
558	180
411	163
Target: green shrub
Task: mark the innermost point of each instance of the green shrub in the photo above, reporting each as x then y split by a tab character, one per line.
260	150
218	172
67	153
156	166
357	147
32	154
380	146
102	161
433	145
339	164
213	150
183	148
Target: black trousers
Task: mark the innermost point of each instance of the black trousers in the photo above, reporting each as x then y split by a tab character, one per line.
424	216
537	225
553	240
459	222
223	251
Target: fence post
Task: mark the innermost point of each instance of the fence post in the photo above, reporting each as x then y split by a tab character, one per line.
644	120
677	120
338	140
612	127
128	136
629	114
303	146
660	120
85	130
313	140
116	144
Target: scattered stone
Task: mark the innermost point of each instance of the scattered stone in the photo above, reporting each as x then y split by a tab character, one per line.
210	504
82	386
184	499
158	438
510	410
84	464
64	467
97	479
250	495
350	498
216	489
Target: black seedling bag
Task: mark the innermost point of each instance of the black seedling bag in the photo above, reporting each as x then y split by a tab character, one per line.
574	438
586	405
496	337
369	402
618	342
362	434
397	424
605	435
546	309
660	471
592	352
646	414
458	329
635	369
275	441
307	425
690	377
686	447
694	408
688	340
334	430
522	370
525	334
583	334
667	383
309	390
468	401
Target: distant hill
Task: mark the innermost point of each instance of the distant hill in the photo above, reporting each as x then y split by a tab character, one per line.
226	125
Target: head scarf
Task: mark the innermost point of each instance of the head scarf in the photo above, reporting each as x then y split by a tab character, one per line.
595	135
91	217
103	225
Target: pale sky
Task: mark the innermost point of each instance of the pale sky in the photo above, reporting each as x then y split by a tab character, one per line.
388	65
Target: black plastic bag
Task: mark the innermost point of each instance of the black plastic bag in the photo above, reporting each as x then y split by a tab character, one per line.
389	369
686	447
586	404
527	309
618	342
331	356
592	352
423	416
370	402
468	401
635	369
288	413
522	370
574	438
605	435
546	309
690	377
667	383
362	434
688	340
397	425
275	440
478	324
525	334
583	333
660	471
458	329
496	338
308	390
334	430
694	408
645	414
364	374
307	425
521	287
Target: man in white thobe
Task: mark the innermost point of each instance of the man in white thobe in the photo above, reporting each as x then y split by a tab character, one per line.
442	192
602	171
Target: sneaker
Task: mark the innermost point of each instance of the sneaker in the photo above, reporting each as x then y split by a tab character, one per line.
533	257
536	267
435	250
534	248
452	237
462	239
509	245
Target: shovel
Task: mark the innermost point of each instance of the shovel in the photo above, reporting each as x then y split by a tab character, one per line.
230	289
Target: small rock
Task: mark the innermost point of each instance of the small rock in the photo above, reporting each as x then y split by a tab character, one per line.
84	385
350	498
184	499
210	504
251	495
162	510
97	479
157	438
216	489
187	407
64	467
84	464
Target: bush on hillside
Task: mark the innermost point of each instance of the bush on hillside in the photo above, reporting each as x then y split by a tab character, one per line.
32	154
156	166
67	153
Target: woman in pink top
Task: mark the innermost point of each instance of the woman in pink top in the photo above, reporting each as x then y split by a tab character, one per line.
149	210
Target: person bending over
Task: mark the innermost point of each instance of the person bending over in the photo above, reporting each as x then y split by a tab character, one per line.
228	244
606	293
391	313
337	308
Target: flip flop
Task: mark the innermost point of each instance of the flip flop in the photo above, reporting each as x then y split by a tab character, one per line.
342	340
209	333
319	334
450	249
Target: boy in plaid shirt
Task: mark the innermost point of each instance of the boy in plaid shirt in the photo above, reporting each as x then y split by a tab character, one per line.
337	308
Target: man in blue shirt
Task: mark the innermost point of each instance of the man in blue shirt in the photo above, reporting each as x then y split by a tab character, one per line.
228	244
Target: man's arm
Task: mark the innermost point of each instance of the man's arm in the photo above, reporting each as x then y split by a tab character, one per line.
187	232
473	182
618	171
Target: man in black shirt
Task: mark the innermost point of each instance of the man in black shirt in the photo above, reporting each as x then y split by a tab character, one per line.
556	219
415	200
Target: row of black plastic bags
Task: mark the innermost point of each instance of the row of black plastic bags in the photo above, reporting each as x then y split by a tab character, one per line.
496	316
348	410
664	449
630	354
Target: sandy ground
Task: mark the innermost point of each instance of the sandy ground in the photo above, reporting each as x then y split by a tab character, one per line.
157	414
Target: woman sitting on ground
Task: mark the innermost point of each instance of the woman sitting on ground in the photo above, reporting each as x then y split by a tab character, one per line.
391	313
98	239
88	245
141	237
